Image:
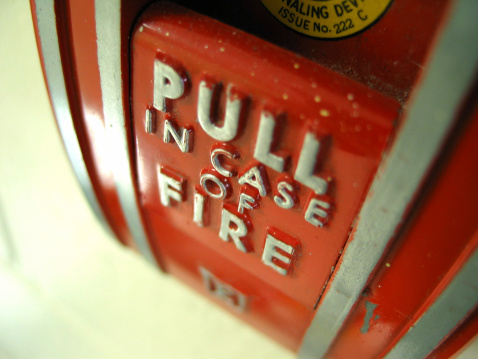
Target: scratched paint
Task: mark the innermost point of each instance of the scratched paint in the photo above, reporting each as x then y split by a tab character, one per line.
368	316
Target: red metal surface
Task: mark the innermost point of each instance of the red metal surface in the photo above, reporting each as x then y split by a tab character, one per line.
388	58
79	54
77	28
354	120
430	250
79	51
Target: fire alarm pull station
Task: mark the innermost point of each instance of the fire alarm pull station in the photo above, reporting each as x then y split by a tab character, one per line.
308	165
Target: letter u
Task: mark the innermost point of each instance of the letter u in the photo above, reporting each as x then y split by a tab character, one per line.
234	107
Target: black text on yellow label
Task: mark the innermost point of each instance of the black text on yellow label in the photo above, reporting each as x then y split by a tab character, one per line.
327	19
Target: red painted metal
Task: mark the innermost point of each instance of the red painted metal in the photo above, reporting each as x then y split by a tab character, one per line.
203	48
430	250
387	57
80	48
376	70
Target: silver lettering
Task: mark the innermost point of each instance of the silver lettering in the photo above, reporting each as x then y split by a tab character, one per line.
265	137
150	123
198	212
254	178
317	212
236	233
169	187
246	201
232	116
217	164
284	199
270	253
168	84
186	140
204	184
225	292
304	172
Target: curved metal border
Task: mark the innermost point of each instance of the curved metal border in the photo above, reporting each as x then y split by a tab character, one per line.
450	74
108	32
458	299
50	49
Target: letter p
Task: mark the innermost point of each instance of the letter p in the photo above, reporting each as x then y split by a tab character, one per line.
168	84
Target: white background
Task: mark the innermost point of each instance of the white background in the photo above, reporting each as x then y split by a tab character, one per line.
68	290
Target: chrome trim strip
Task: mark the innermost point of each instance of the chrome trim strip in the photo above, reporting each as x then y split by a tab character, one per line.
458	299
50	48
108	32
450	74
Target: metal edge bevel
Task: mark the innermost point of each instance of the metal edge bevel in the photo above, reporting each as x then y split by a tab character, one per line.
450	74
55	80
459	298
108	32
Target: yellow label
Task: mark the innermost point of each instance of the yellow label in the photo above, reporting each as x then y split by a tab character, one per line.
327	19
